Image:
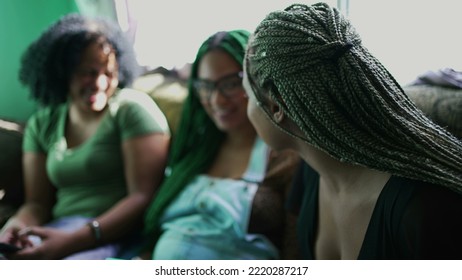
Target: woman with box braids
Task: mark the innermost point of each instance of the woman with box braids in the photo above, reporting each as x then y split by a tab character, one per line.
347	117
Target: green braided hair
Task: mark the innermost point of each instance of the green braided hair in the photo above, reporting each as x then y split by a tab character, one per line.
310	61
197	140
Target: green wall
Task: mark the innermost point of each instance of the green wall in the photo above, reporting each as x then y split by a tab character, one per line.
21	22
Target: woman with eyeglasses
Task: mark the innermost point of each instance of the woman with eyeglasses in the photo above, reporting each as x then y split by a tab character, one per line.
224	189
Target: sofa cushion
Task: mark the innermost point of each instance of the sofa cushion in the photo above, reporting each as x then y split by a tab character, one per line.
11	181
441	104
169	94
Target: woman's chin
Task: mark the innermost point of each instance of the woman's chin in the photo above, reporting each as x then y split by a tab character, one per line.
98	107
99	102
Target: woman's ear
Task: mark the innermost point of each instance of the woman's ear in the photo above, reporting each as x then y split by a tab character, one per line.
277	113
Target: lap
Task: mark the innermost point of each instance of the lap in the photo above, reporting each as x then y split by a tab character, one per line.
70	224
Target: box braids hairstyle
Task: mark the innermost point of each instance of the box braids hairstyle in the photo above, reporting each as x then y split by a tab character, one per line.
310	61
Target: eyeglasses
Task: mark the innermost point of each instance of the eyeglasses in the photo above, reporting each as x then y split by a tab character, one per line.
229	86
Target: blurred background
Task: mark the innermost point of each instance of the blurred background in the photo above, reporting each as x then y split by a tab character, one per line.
410	37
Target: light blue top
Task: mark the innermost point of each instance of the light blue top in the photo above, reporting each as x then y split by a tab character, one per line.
210	217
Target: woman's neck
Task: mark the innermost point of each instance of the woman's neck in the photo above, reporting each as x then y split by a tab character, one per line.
234	155
341	176
243	137
76	115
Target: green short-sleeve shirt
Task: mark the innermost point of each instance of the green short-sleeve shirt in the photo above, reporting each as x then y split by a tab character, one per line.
90	178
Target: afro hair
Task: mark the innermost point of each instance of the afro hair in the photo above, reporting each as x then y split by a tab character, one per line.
49	62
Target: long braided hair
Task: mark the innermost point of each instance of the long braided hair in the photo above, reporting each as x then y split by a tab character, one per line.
310	61
197	140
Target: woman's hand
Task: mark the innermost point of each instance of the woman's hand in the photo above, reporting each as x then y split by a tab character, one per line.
11	234
44	243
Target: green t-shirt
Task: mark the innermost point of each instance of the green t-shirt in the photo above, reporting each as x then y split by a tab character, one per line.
90	177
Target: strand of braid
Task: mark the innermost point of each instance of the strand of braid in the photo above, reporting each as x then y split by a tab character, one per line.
344	100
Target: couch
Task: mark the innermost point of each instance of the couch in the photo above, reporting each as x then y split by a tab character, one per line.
11	182
443	105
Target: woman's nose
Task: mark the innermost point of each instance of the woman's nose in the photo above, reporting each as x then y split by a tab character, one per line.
101	82
216	97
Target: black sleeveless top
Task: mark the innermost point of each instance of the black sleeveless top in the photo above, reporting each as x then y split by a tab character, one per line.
411	219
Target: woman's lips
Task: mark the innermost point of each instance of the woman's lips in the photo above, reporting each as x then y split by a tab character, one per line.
221	114
98	101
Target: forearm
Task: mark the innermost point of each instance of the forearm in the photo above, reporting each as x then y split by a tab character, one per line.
114	223
124	216
30	214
